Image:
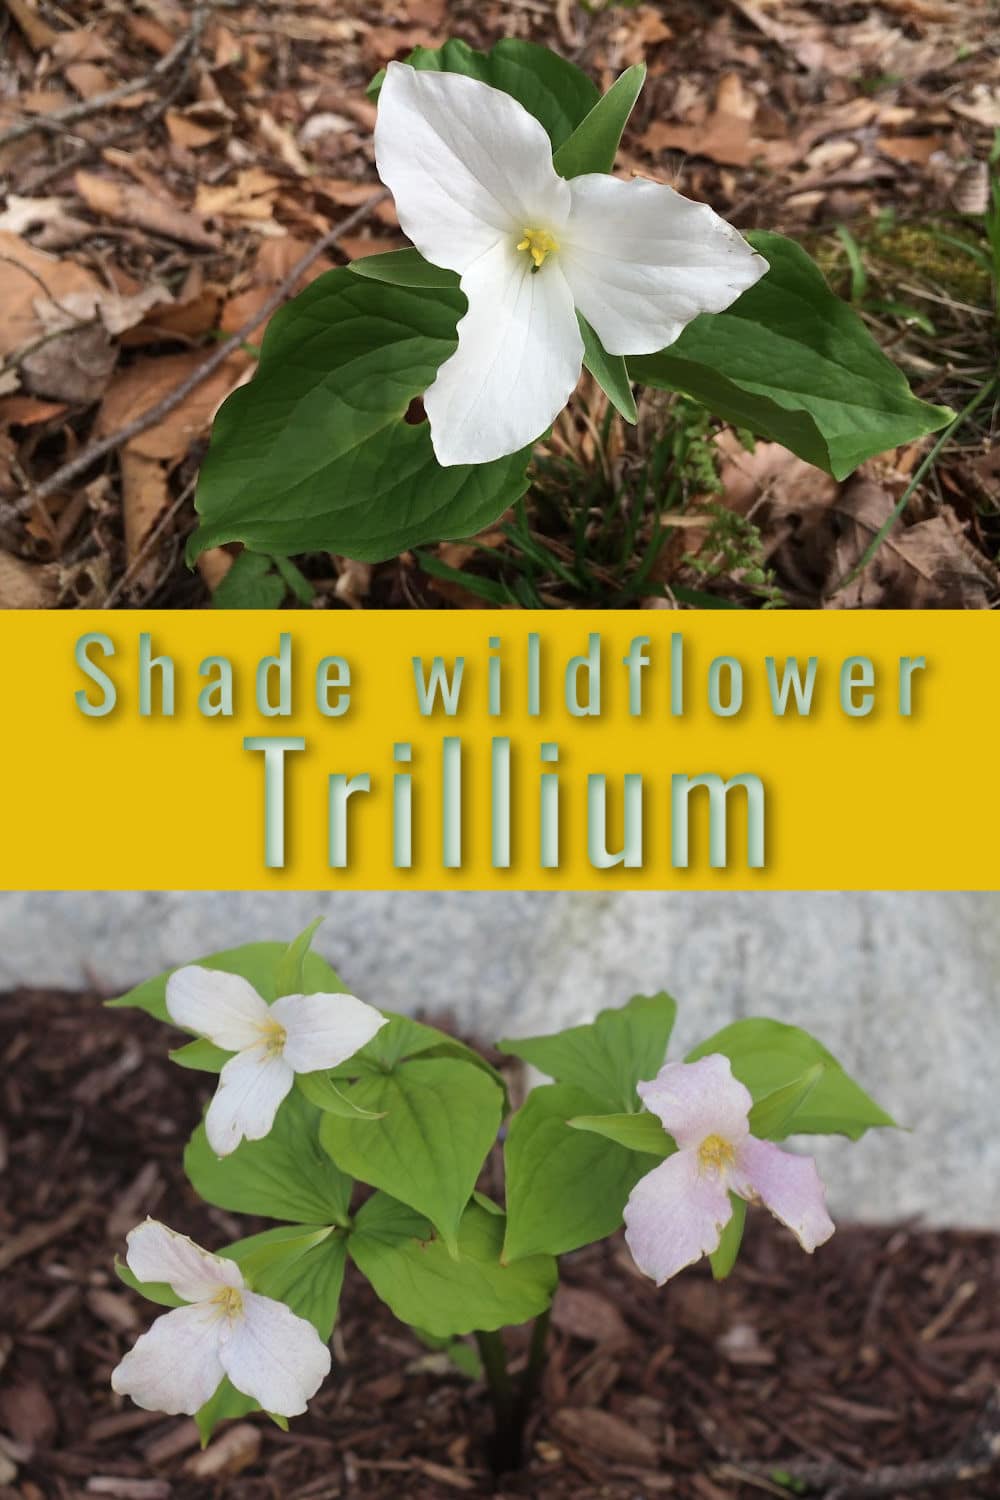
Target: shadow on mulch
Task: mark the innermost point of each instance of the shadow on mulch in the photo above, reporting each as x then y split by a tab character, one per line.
882	1349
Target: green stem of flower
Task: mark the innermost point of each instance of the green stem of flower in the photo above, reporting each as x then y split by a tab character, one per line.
506	1450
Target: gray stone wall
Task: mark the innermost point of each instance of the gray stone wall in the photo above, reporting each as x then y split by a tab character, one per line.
902	987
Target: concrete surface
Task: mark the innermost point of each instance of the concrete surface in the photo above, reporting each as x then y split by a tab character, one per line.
903	988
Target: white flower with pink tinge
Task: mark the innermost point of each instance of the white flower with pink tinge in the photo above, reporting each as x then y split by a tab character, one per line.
677	1212
297	1034
268	1352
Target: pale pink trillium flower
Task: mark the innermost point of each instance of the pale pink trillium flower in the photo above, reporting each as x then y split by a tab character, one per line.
677	1212
268	1352
297	1034
476	190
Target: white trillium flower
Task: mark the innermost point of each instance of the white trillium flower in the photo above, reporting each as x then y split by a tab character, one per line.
297	1034
476	191
268	1352
677	1212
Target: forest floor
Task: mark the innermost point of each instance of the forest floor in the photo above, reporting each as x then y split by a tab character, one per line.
798	1375
163	166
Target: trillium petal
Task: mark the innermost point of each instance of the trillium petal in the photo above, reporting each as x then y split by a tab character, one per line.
643	261
251	1087
789	1185
156	1253
517	363
324	1030
675	1215
175	1367
466	164
699	1099
273	1355
223	1007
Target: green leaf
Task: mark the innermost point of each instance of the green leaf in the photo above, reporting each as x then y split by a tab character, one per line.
610	1055
303	1269
769	1055
794	363
315	453
291	970
414	1274
160	1292
609	370
405	268
594	143
320	1089
404	1038
258	962
771	1116
723	1259
441	1117
250	584
287	1175
550	88
642	1132
201	1055
565	1188
226	1404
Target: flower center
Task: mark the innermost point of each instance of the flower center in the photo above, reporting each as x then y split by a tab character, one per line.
274	1037
715	1154
538	243
229	1301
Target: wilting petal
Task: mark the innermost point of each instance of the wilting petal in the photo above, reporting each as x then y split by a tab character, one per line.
518	360
324	1030
467	165
643	262
156	1253
675	1215
223	1007
251	1087
788	1185
273	1355
699	1099
175	1367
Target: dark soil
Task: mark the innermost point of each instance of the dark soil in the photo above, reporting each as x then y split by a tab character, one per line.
881	1350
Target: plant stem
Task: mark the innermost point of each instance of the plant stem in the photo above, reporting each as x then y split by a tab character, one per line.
506	1452
532	1377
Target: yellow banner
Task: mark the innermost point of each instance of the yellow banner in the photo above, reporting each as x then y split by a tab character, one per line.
491	750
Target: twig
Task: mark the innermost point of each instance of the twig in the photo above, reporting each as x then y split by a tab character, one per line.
54	124
149	542
180	393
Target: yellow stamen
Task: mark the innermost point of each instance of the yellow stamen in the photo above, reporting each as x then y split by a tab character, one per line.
229	1301
538	243
274	1037
714	1154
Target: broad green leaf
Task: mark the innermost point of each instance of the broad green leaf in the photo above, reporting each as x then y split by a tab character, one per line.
441	1117
315	453
769	1055
305	1270
565	1188
594	143
320	1089
405	268
258	962
250	583
287	1175
155	1291
201	1055
771	1116
291	970
404	1038
412	1271
224	1406
609	370
642	1132
723	1259
610	1055
792	362
550	88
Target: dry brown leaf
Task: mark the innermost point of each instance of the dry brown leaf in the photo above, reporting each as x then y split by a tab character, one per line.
26	585
88	79
59	230
128	203
354	581
213	566
249	197
26	277
982	107
188	133
346	193
282	142
917	149
357	246
726	135
28	411
144	497
134	390
383	43
37	33
613	1437
75	366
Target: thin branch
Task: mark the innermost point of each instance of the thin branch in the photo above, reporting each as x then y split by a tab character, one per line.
54	124
94	451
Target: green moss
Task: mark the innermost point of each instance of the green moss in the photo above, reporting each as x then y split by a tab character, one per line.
895	252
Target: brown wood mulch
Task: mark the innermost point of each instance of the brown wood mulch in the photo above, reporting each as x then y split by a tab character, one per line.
883	1350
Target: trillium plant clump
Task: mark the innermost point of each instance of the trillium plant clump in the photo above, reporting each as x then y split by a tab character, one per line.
529	261
364	1135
